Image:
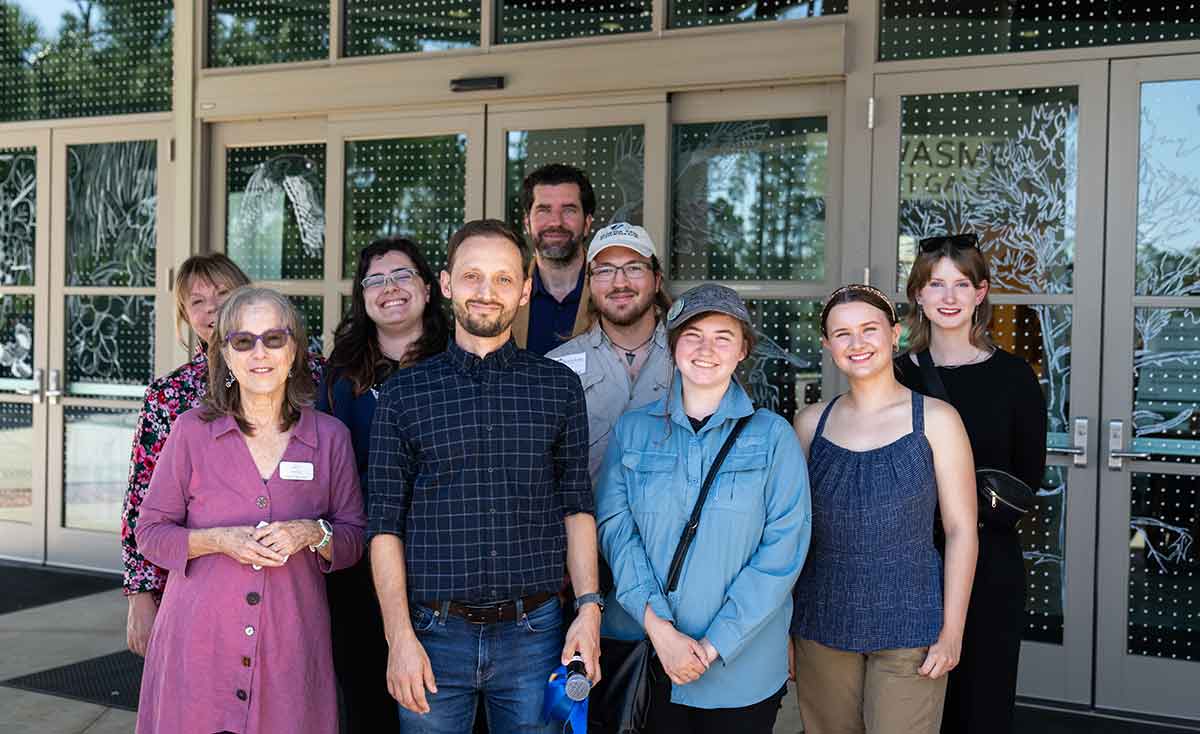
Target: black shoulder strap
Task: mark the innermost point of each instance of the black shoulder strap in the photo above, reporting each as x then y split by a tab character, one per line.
933	381
693	524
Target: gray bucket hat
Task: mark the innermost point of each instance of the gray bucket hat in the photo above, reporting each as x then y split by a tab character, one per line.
708	298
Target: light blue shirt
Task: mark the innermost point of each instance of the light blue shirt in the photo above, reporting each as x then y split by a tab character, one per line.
736	585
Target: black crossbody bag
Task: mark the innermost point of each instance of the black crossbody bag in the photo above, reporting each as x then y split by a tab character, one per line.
1004	500
620	702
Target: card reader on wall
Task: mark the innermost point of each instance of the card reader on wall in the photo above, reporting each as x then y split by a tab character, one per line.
476	83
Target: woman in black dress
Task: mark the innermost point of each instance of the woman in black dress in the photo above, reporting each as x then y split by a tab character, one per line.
1004	411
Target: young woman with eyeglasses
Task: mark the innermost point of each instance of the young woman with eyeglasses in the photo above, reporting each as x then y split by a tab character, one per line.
397	318
1002	406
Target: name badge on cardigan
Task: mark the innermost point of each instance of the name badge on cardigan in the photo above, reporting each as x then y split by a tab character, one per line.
296	470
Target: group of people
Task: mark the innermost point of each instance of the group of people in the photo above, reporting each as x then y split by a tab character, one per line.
494	467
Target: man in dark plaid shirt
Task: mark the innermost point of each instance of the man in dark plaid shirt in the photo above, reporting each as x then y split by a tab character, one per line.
478	493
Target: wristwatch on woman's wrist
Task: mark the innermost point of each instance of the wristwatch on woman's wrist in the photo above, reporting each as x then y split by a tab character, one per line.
328	530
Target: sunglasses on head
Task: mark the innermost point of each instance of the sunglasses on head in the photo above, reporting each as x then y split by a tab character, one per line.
964	241
244	341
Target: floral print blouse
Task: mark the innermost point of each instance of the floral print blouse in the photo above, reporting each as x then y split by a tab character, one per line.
166	398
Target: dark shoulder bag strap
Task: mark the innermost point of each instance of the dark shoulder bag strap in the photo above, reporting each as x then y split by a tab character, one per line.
693	524
933	381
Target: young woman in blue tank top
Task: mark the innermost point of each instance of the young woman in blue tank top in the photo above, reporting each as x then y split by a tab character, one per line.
878	622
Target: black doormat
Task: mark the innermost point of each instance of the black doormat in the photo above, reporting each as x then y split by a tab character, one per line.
111	680
32	586
1037	720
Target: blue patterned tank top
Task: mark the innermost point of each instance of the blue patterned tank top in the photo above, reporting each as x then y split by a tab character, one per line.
873	579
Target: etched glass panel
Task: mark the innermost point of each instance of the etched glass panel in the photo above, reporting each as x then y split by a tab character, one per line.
916	29
275	211
16	343
1164	568
1043	536
16	462
783	373
1166	383
749	200
310	309
249	32
18	214
690	13
112	213
96	466
408	187
614	159
1002	164
375	27
547	20
82	59
1168	230
110	345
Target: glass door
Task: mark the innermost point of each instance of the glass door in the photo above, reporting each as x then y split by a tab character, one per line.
24	262
109	305
1148	616
1016	155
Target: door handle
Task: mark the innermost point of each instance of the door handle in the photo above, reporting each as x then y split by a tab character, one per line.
34	392
1079	441
1116	447
54	390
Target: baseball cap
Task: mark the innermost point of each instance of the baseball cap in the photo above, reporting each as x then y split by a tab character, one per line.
621	234
708	298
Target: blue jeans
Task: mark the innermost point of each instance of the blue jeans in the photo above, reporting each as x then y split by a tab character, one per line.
506	663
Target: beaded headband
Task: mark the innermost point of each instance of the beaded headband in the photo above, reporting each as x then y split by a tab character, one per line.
858	288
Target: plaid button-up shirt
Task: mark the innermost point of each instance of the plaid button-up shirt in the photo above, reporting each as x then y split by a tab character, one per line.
474	463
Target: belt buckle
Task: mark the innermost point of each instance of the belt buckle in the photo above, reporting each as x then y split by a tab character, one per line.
480	614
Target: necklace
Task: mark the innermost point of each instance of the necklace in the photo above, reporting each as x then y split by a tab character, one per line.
630	354
981	356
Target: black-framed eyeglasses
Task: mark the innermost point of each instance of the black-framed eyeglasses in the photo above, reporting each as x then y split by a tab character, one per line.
399	276
964	241
244	341
635	270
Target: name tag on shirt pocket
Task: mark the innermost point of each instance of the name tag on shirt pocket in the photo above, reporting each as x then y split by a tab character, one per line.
740	482
577	362
302	470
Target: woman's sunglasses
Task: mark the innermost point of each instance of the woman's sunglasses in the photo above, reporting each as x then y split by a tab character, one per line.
963	241
244	341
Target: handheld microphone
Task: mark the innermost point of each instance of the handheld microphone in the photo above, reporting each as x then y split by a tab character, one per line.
578	686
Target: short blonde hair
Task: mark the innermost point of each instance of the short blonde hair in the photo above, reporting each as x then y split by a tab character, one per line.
217	269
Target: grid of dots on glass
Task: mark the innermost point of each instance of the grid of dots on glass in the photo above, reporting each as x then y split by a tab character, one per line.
1043	544
250	32
275	211
16	450
311	311
690	13
375	27
784	372
96	466
1164	568
1001	163
18	225
522	21
748	200
1166	383
614	159
1168	231
112	213
407	187
16	341
115	61
922	29
110	345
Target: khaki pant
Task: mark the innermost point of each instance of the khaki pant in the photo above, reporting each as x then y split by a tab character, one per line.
876	693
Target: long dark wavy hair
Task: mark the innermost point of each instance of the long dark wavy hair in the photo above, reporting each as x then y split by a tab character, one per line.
356	353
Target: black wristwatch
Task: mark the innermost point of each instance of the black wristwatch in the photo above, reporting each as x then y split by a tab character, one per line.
592	598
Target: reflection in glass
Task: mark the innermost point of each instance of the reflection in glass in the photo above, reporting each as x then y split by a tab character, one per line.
95	466
375	27
784	372
1002	164
689	13
1043	544
914	29
1168	230
749	200
310	309
1164	568
522	21
112	213
83	59
614	159
275	211
409	187
1166	375
16	462
16	343
110	345
248	32
18	214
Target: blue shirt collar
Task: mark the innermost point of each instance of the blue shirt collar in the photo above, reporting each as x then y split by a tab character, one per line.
735	404
540	290
468	363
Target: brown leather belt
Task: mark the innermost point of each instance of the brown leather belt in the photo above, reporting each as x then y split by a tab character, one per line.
504	611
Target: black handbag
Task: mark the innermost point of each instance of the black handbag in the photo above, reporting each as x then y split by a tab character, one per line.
1004	500
620	701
